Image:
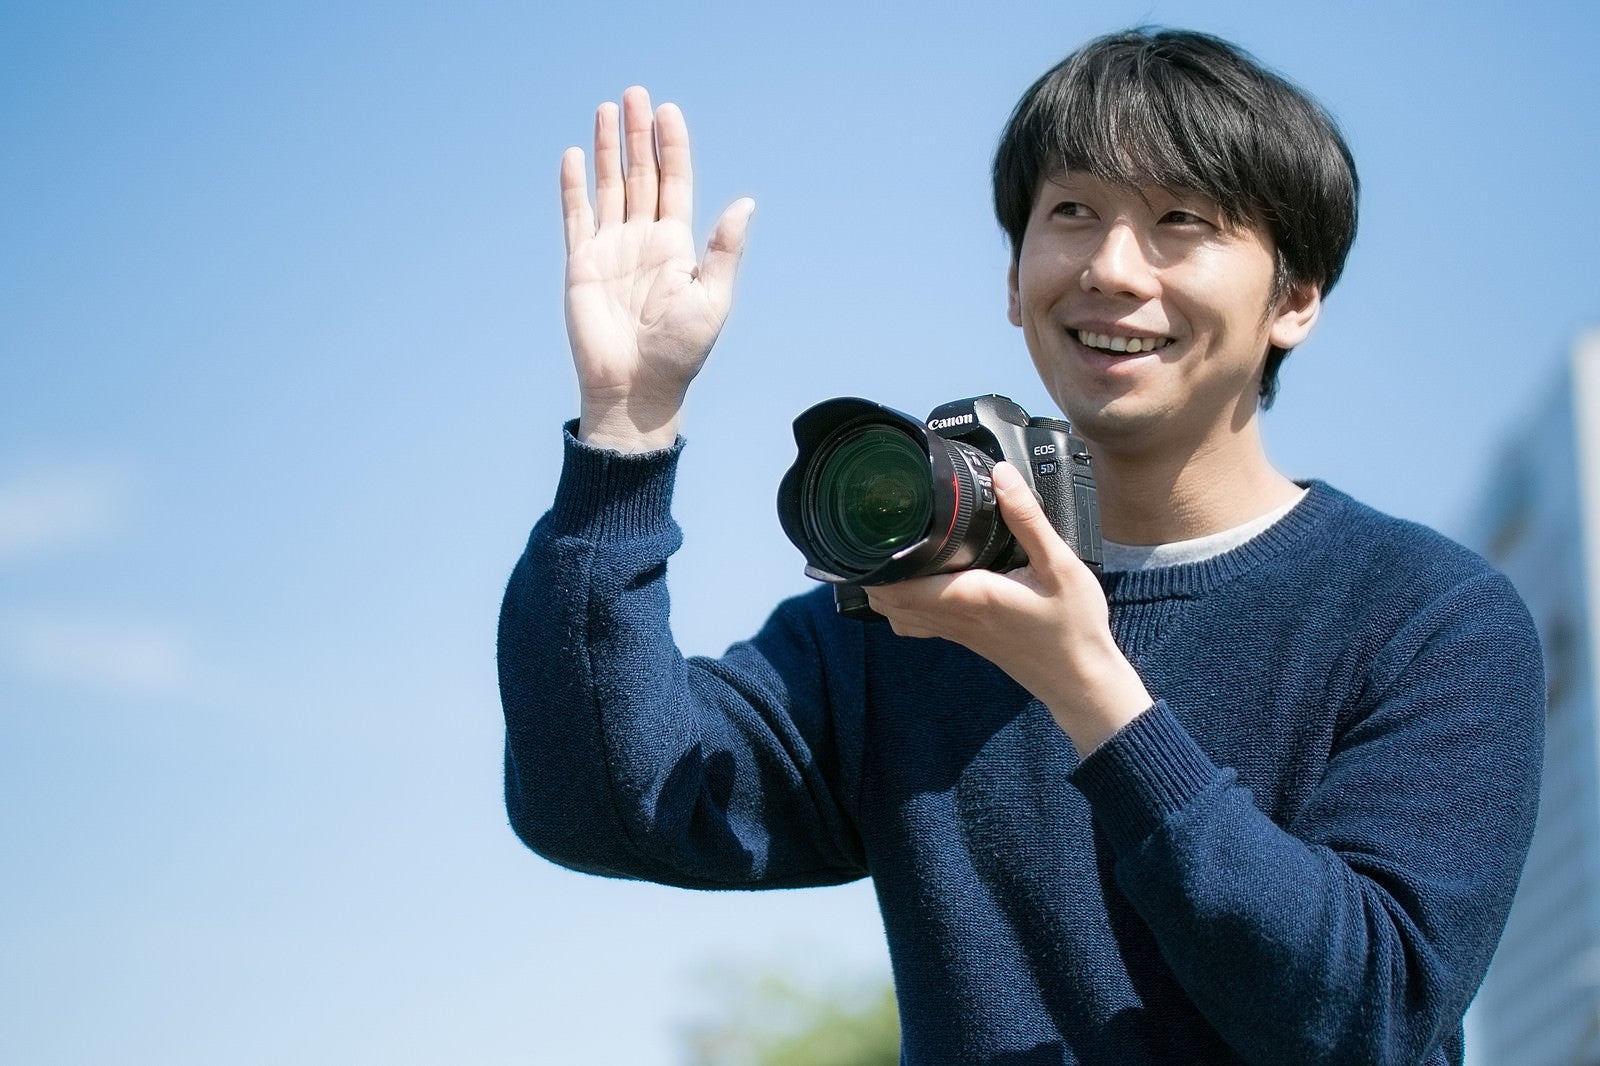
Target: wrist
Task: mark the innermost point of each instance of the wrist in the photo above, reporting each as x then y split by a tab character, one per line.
1106	695
627	426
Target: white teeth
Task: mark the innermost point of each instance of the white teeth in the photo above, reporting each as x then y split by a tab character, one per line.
1119	344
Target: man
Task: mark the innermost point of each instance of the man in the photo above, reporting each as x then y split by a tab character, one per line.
1260	793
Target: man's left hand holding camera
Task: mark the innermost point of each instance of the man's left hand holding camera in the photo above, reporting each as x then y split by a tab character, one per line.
1046	625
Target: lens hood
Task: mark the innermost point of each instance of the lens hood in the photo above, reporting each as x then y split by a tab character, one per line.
815	431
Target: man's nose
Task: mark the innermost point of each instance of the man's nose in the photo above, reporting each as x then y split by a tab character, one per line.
1120	265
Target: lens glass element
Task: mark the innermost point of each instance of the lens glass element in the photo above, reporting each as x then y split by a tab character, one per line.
871	496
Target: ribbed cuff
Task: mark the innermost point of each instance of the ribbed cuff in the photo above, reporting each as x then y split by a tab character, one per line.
606	493
1150	769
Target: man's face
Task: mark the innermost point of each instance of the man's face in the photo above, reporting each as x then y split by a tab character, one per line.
1149	316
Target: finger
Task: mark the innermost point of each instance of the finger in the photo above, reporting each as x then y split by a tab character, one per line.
639	134
677	173
899	620
725	248
927	593
1026	519
576	215
608	188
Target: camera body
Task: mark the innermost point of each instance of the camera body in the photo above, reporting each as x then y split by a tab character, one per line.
877	496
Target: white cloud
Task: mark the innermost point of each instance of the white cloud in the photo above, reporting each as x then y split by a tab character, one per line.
121	656
45	510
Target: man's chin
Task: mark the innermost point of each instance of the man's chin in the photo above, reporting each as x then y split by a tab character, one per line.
1119	423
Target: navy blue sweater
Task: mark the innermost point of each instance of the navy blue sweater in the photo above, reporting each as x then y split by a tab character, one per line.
1303	853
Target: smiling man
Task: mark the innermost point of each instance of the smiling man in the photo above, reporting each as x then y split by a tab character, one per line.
1260	792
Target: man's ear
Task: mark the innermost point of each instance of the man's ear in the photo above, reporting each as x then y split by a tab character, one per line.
1013	305
1294	316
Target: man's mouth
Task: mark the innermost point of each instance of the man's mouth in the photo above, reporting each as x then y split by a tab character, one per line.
1107	342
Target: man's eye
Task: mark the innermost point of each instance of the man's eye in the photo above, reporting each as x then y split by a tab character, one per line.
1185	218
1069	209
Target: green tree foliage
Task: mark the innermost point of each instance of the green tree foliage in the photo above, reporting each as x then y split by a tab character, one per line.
769	1019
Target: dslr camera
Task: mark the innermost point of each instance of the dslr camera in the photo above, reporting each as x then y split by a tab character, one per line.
877	496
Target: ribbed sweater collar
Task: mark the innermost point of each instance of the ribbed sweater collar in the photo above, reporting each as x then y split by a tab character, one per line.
1321	504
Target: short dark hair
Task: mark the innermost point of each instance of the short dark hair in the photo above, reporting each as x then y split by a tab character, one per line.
1180	109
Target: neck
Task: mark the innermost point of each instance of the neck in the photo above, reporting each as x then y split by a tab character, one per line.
1159	497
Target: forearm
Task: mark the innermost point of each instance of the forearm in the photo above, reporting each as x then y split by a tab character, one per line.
624	758
1359	929
1290	953
558	777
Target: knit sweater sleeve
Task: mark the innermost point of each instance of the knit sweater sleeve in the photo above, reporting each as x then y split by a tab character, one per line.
1359	931
626	759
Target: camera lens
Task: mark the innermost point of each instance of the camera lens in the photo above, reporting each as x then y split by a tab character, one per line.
876	496
871	496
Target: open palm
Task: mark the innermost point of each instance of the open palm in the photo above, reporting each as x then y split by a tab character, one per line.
642	311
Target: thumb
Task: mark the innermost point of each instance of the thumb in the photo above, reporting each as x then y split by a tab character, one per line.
725	248
1024	517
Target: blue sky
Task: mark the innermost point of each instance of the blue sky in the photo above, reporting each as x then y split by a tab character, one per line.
282	370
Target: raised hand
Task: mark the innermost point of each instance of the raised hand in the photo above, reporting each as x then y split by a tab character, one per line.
642	311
